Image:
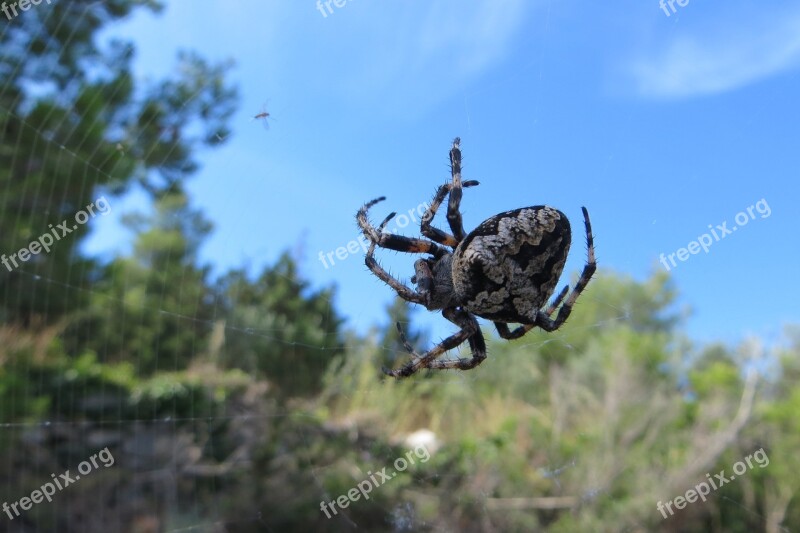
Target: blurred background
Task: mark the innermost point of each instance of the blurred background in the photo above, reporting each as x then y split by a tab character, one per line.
182	288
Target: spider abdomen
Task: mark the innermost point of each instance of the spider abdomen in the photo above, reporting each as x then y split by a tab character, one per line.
507	267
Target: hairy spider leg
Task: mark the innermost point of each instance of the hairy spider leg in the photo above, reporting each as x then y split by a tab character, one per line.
502	327
454	200
477	345
469	327
453	204
393	242
404	292
547	323
436	234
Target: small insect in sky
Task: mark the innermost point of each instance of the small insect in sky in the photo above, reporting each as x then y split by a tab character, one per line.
263	115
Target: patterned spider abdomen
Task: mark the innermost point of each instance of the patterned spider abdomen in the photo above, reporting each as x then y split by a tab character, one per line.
507	268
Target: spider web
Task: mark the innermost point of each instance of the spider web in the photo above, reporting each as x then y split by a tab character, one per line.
187	505
402	515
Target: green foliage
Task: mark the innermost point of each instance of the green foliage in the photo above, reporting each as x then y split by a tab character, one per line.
279	329
74	123
584	430
245	398
399	311
152	308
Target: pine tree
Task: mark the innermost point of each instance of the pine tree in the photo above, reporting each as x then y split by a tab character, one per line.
278	328
154	308
80	135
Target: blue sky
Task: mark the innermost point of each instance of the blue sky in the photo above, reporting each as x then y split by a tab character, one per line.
660	125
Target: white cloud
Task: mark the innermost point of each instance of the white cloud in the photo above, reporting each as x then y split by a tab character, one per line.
715	62
475	37
423	52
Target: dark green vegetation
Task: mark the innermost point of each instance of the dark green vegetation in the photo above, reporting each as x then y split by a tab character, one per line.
238	404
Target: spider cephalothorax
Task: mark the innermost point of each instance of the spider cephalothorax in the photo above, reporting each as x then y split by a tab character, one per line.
504	271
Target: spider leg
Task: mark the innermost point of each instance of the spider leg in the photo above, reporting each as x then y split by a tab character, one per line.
404	292
391	241
454	201
394	242
543	320
502	328
478	346
453	214
436	234
469	328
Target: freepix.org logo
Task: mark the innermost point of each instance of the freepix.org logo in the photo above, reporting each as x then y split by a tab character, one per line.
702	489
327	5
46	240
363	488
24	5
352	247
671	3
48	490
721	231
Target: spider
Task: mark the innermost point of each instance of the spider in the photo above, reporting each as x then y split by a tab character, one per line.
503	271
